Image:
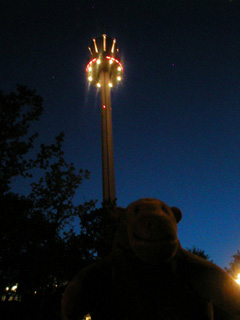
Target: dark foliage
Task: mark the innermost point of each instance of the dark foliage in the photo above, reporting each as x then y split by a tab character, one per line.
17	111
234	266
39	249
200	253
98	228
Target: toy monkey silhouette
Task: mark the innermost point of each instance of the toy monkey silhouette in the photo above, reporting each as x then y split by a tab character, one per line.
149	275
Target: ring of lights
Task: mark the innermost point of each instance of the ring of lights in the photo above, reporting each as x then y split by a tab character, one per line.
106	63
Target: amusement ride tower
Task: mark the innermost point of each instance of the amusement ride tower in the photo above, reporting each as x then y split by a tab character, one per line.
105	70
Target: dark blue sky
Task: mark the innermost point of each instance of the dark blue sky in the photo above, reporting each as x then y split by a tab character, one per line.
176	116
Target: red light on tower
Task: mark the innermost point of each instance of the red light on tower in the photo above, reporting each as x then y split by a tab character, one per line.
104	70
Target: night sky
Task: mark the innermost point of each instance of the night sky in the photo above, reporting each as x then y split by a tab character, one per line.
175	116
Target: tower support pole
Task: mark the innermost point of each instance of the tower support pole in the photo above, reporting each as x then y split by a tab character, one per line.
109	191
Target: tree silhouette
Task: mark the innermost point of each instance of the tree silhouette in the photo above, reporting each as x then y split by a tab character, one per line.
200	253
234	266
36	251
17	111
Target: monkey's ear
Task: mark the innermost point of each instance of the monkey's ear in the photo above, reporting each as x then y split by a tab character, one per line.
177	213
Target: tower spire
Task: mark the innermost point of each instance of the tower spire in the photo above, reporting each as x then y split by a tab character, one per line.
105	71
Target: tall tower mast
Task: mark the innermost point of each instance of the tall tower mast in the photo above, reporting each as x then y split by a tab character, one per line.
105	70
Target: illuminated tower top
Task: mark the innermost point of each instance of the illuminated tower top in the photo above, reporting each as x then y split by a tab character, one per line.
104	57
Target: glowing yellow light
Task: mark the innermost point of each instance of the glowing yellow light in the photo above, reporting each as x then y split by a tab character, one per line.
238	279
90	78
113	45
98	61
90	50
90	63
110	84
110	61
90	69
119	78
98	85
119	68
104	42
14	288
95	45
118	62
7	288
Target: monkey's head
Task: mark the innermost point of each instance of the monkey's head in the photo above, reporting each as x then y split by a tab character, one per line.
151	229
